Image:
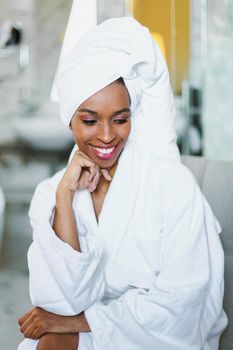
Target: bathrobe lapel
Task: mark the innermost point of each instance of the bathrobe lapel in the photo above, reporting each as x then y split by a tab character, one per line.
85	212
117	207
119	202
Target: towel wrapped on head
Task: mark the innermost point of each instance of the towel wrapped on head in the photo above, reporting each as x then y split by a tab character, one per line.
122	47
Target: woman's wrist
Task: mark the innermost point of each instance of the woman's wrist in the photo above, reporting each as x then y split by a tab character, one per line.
64	223
75	324
63	193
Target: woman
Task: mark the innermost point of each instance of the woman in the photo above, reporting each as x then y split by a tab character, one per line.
126	252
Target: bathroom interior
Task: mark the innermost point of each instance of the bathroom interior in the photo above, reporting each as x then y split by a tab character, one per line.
196	38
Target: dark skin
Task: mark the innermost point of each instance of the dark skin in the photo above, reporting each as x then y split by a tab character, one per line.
100	126
53	341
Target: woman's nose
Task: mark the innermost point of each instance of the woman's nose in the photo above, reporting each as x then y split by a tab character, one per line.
106	134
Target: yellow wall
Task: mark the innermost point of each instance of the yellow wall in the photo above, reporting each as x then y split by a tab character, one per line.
157	16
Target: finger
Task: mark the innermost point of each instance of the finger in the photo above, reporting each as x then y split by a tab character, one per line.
26	324
37	333
23	318
29	330
82	155
87	164
94	169
106	174
94	182
35	314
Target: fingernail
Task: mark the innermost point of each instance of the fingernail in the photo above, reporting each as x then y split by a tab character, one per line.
92	187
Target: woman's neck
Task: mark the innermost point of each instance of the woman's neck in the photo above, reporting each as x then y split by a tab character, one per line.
102	188
104	184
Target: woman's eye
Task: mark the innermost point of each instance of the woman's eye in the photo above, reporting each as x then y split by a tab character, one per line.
90	122
121	120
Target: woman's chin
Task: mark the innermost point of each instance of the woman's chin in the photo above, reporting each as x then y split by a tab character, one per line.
106	164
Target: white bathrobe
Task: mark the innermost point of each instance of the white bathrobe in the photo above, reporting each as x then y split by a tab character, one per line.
150	274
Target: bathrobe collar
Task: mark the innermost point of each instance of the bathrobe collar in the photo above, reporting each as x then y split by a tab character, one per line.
118	203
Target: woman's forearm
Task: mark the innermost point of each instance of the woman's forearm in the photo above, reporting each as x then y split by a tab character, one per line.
52	341
64	223
37	322
69	324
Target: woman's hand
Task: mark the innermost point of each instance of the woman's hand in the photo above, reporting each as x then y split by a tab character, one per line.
58	342
82	173
38	322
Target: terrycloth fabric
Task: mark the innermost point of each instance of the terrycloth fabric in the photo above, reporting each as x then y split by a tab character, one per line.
83	17
150	273
122	47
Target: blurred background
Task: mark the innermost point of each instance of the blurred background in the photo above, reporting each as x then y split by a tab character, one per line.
196	37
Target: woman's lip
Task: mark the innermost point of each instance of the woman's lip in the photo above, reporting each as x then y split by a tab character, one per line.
104	147
105	153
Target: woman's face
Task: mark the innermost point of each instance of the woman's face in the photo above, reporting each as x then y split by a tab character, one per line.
101	124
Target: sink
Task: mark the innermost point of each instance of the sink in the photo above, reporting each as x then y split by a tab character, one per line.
43	133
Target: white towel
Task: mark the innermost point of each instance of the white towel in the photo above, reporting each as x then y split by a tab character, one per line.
122	47
83	17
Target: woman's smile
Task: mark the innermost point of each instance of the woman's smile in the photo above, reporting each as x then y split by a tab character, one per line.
105	153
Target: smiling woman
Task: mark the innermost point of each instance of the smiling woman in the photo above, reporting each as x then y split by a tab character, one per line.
101	124
124	243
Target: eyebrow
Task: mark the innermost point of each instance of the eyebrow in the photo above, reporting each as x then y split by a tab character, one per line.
89	111
86	110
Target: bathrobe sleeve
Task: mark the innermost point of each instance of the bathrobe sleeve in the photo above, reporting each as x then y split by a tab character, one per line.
184	300
61	279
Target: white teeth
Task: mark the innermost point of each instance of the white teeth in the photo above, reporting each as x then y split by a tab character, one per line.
104	150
